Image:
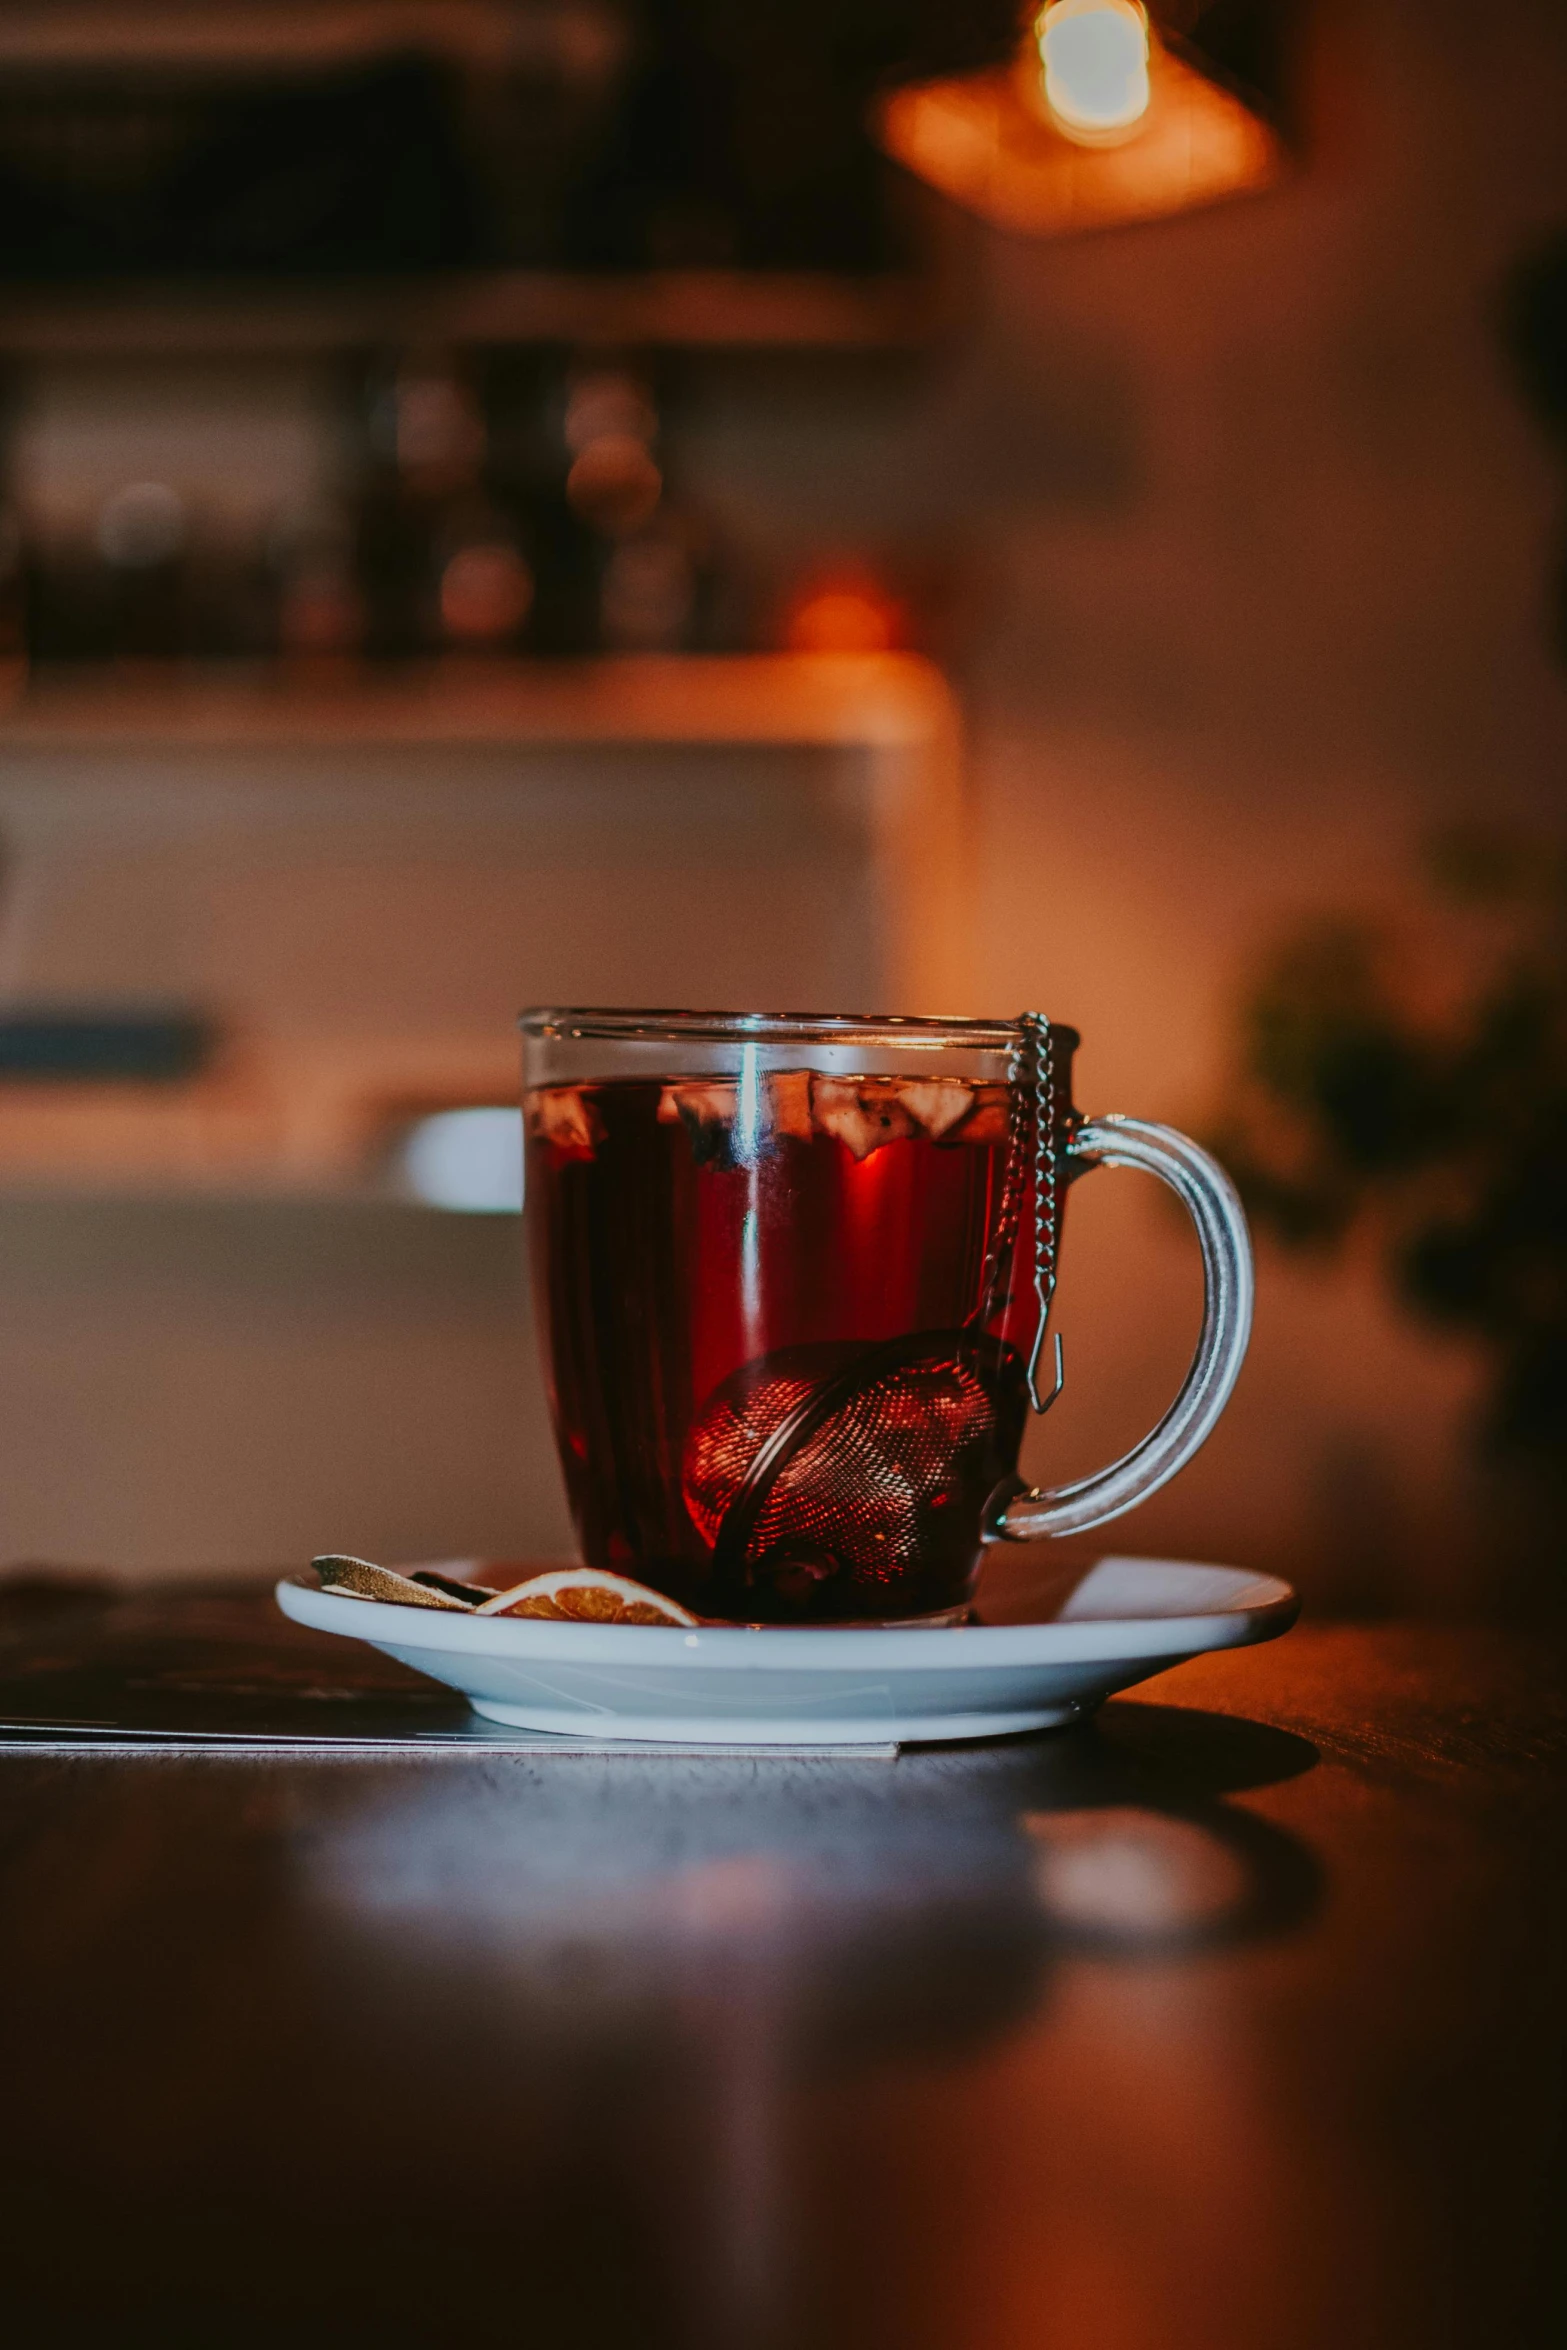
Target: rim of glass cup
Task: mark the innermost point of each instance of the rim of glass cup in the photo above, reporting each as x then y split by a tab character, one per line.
601	1024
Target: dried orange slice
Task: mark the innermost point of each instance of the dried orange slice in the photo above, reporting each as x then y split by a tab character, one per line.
587	1595
566	1117
863	1112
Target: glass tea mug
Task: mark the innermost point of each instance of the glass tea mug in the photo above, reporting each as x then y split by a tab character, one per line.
794	1277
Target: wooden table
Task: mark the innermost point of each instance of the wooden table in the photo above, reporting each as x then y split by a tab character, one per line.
1234	2020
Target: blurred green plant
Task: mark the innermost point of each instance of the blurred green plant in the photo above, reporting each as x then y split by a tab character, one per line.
1423	1101
1533	322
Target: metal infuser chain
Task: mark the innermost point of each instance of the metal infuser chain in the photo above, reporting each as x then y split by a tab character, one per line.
1035	1040
1031	1086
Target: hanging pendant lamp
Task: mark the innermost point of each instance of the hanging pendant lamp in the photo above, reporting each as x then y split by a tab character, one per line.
1093	123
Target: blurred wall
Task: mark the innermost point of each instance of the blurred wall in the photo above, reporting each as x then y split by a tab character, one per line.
1246	539
242	1383
1251	537
251	1348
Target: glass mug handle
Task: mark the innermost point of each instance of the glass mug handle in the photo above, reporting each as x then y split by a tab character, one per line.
1018	1513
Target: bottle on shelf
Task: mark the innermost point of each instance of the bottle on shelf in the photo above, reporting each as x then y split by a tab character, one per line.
320	608
142	539
623	564
441	563
13	605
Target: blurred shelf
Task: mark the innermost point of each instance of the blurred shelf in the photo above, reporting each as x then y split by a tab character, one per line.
677	309
207	820
869	699
273	1120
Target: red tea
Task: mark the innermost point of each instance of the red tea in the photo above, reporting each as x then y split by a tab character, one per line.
780	1332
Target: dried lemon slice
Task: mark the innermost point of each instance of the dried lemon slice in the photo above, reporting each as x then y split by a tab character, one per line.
587	1595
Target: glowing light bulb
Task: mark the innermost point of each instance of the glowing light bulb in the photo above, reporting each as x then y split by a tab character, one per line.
1095	56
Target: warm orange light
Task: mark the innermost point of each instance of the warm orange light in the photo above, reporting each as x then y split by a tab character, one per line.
1095	59
848	613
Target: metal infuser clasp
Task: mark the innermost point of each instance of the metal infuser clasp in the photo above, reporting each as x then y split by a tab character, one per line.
1043	1404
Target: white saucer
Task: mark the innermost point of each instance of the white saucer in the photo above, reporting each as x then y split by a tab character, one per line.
1046	1653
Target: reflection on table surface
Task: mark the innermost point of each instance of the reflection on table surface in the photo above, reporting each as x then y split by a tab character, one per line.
1179	2027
